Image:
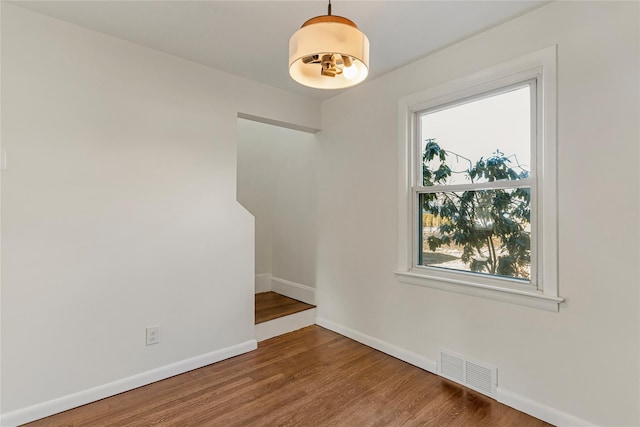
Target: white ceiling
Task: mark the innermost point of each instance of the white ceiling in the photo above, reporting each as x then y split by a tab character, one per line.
251	38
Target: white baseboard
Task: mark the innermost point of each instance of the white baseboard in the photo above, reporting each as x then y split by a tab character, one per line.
44	409
385	347
286	324
516	401
539	410
263	282
294	290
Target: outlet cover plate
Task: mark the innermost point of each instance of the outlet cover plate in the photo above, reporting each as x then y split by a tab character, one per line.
153	335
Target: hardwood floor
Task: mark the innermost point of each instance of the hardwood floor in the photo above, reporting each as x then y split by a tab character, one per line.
270	305
310	377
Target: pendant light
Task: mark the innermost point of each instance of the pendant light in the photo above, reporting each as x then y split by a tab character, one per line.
329	52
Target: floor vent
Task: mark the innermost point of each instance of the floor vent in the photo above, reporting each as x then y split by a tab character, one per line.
478	376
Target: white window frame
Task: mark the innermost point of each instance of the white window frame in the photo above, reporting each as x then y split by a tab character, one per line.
543	292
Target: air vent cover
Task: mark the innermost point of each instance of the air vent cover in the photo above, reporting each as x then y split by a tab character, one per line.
478	376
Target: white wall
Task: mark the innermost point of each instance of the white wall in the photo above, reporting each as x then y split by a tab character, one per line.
255	186
277	184
119	208
583	361
294	218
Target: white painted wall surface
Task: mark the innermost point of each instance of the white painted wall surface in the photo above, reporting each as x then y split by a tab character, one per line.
255	186
583	361
119	208
295	207
277	184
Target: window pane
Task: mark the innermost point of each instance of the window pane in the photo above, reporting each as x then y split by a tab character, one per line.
485	231
460	144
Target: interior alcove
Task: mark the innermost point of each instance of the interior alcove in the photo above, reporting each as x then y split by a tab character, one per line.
276	183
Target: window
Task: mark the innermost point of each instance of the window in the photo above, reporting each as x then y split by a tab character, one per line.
479	184
474	185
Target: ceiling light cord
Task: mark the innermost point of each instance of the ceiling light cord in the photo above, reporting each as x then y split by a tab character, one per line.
329	8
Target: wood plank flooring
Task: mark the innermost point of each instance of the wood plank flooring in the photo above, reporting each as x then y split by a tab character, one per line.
310	377
270	305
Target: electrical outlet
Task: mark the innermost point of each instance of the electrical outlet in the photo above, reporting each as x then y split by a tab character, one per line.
153	335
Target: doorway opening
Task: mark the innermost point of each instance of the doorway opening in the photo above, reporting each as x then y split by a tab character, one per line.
276	182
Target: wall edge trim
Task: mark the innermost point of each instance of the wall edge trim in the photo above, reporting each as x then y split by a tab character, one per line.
539	410
64	403
294	290
383	346
521	403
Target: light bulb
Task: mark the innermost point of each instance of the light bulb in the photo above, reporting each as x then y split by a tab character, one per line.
350	72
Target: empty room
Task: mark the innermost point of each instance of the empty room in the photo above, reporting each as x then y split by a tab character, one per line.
320	213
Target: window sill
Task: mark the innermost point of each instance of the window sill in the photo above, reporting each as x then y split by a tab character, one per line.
515	296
